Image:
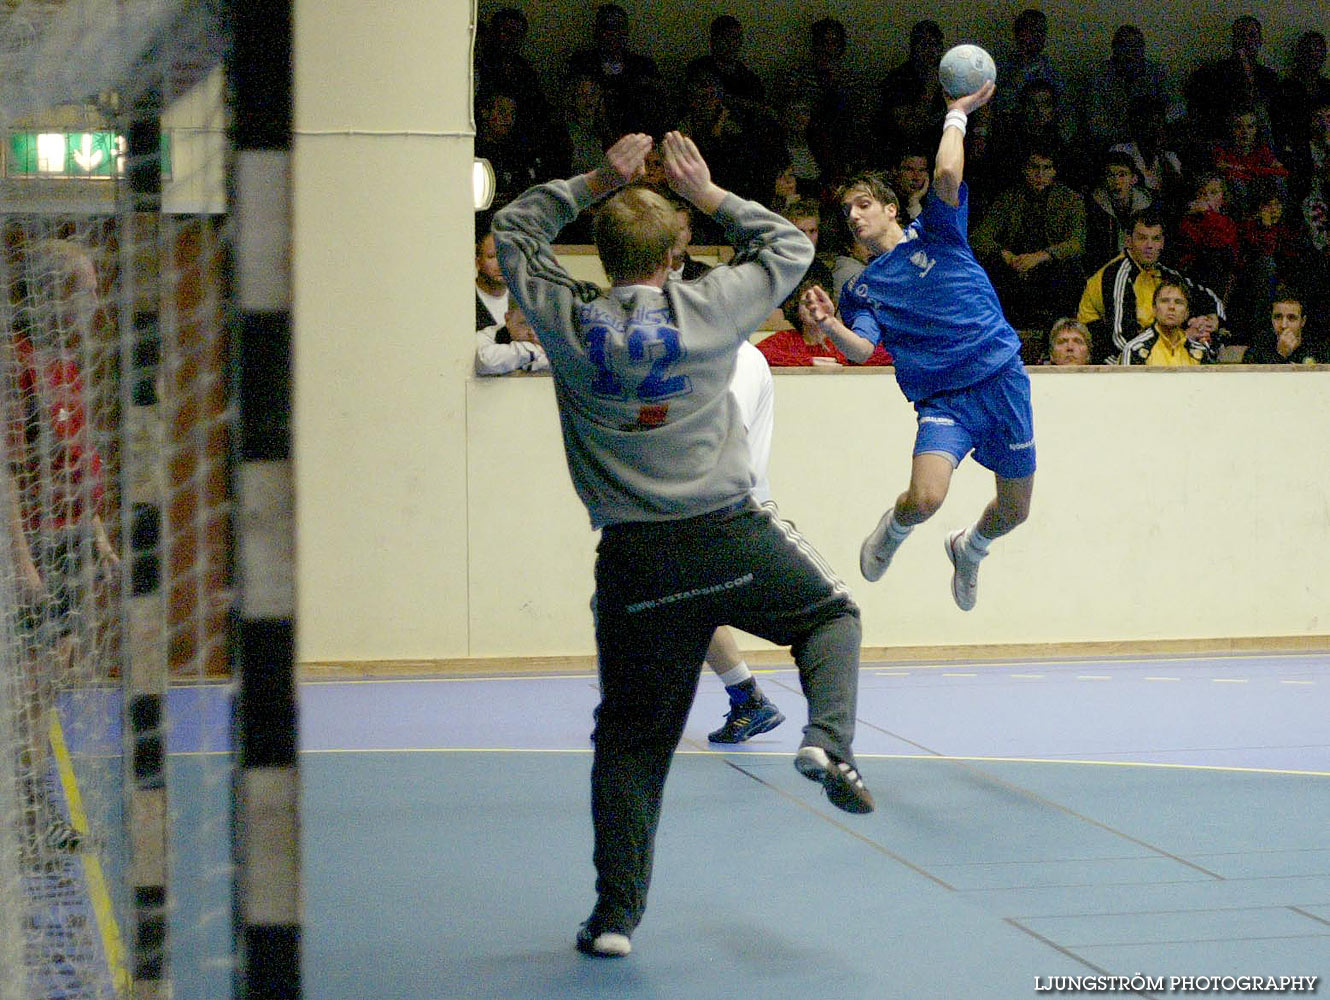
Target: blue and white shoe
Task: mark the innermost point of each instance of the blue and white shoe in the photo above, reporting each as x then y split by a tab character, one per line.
743	722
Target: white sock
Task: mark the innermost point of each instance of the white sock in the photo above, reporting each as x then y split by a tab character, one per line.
975	543
736	674
896	531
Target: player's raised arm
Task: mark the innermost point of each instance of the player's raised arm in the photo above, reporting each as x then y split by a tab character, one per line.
950	165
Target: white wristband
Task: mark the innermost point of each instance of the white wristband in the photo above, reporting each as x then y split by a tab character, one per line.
956	118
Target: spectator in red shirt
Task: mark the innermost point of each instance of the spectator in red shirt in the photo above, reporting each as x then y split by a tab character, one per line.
1244	158
805	344
56	487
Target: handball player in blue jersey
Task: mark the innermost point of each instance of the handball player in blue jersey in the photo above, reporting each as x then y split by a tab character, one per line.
926	299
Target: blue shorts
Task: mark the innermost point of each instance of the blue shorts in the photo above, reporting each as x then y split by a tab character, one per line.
993	418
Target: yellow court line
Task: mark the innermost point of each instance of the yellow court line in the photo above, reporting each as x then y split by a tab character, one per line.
1226	769
112	942
334	681
787	668
1125	660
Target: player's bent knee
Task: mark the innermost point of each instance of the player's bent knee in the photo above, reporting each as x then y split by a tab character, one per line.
924	502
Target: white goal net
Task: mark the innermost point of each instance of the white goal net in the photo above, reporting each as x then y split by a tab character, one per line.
115	580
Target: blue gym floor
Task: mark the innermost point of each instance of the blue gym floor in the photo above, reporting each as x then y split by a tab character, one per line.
1035	819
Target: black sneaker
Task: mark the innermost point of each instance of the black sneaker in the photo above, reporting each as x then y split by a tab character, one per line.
599	942
743	722
843	785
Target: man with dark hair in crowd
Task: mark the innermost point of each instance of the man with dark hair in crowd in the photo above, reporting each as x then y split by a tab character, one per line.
912	102
634	92
1306	87
743	88
1285	340
1120	79
909	177
491	288
500	65
1118	301
1238	79
1111	206
1171	340
820	83
1031	241
1025	61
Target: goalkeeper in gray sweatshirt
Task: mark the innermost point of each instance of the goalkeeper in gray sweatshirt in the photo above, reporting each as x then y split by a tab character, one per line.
657	452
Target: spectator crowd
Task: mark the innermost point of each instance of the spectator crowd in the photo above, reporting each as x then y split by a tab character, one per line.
1131	220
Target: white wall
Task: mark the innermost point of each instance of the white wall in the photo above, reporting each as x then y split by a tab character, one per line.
436	520
1168	505
197	127
383	260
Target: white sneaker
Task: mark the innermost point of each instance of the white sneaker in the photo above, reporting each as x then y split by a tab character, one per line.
965	572
878	548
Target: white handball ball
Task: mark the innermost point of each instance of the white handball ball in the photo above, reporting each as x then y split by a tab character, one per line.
964	69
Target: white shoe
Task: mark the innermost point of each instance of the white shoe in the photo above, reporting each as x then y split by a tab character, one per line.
964	574
599	943
878	548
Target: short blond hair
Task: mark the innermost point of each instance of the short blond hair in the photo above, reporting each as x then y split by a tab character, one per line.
1070	323
635	231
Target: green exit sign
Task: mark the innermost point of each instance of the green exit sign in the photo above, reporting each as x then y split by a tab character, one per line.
88	155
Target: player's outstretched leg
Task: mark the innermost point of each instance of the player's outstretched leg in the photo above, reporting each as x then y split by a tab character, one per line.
930	477
828	660
796	600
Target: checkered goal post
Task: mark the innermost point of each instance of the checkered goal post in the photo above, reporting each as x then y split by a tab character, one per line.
118	592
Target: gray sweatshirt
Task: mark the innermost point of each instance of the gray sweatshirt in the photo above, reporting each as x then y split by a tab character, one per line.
642	374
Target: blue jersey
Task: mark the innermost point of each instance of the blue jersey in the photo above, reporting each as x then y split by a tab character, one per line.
930	303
